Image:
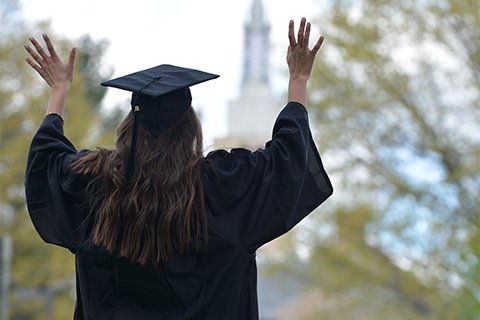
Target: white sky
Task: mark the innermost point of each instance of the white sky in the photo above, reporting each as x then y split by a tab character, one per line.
206	35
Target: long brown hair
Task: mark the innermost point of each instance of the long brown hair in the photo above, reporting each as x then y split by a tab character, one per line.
160	210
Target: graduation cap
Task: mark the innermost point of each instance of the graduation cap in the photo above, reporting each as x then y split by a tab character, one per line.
160	97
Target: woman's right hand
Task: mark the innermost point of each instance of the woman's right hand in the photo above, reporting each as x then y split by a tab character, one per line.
300	61
299	57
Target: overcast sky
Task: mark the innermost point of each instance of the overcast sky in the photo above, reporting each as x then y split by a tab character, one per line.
206	35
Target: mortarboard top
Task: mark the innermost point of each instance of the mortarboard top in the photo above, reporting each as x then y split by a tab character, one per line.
160	97
160	80
161	94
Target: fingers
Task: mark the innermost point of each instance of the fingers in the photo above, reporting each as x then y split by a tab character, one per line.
318	45
39	57
306	36
71	59
303	35
40	71
33	65
50	47
39	48
34	55
291	34
301	31
41	62
42	56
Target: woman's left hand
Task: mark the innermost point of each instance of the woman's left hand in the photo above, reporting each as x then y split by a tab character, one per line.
49	66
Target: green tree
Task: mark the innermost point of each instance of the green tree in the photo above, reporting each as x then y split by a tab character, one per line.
346	277
395	95
41	274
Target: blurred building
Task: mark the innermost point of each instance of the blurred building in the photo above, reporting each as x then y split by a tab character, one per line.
252	114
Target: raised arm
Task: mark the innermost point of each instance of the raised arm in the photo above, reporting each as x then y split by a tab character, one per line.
300	61
57	74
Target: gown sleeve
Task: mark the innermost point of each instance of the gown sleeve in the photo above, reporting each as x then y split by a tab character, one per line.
53	192
254	197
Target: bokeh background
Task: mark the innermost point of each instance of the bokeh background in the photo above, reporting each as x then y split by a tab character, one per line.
395	106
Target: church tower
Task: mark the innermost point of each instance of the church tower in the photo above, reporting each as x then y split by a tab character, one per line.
251	116
257	34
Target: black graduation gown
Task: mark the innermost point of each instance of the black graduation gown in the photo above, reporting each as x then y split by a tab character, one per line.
251	198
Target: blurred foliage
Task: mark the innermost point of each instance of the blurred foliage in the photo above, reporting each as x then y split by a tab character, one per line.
42	275
90	62
395	95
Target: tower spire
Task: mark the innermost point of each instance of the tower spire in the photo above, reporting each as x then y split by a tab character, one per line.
257	30
251	116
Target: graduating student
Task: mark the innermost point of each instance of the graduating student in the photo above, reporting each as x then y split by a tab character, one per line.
158	230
